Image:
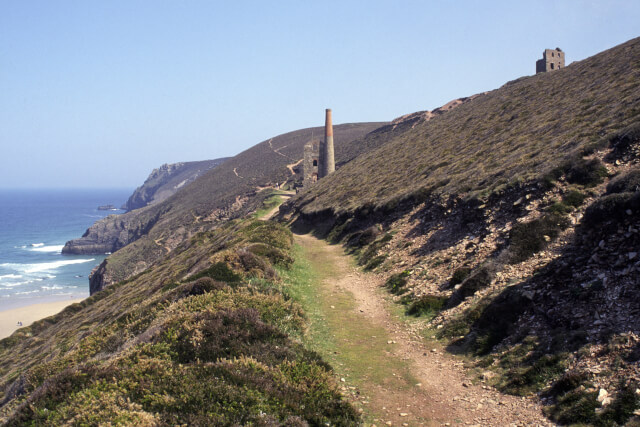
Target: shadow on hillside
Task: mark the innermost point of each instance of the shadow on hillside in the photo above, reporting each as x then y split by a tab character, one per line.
571	302
450	228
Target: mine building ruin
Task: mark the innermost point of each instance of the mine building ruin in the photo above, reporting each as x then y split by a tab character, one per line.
319	160
552	59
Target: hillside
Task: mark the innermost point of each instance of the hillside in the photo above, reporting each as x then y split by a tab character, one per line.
164	181
496	140
139	238
505	227
209	334
509	227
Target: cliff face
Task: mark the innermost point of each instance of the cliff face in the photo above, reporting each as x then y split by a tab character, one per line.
164	181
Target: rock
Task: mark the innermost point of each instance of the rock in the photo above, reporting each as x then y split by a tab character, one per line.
602	395
166	180
632	255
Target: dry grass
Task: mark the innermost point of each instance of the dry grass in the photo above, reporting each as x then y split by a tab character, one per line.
508	136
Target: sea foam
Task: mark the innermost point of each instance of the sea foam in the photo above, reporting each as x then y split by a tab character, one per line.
43	266
52	248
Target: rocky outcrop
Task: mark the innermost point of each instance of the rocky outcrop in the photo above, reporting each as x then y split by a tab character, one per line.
164	181
110	234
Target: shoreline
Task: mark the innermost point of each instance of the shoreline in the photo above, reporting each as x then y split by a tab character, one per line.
28	314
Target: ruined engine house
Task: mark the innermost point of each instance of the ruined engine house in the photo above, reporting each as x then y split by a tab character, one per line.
318	160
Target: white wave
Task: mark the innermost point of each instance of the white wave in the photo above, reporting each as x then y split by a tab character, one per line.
47	288
26	292
37	245
44	266
52	248
14	284
10	276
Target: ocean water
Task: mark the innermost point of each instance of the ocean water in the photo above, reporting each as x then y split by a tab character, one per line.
34	226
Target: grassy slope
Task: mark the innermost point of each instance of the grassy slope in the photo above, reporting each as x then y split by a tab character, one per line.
157	350
190	210
532	249
507	136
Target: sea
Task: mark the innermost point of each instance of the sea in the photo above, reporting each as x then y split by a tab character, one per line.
34	226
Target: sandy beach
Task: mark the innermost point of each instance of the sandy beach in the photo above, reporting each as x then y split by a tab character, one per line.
28	314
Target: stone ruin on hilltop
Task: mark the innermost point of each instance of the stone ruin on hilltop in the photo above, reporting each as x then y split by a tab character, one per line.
552	59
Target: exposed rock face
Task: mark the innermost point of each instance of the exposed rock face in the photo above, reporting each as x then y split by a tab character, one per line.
164	181
110	234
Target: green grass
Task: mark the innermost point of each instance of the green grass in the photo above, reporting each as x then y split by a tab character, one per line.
356	348
271	201
221	346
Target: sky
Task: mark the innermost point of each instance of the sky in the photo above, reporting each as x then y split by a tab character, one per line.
95	94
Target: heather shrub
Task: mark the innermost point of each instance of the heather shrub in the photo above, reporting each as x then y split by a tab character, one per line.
527	238
459	275
585	172
396	282
426	305
219	271
626	183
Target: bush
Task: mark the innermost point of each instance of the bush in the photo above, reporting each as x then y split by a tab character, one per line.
270	233
527	238
275	255
364	237
480	278
428	305
624	138
396	282
375	262
573	198
577	406
523	381
196	287
219	271
559	208
228	334
622	407
627	183
585	172
498	319
460	275
611	207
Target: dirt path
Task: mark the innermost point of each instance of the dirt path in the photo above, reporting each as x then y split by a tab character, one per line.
283	196
392	374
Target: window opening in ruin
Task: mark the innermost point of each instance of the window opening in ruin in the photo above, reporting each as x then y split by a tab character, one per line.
552	65
315	163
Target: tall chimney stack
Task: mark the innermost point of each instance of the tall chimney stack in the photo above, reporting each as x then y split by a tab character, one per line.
328	164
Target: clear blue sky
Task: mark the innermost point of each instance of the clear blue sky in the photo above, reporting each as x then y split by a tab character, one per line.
98	93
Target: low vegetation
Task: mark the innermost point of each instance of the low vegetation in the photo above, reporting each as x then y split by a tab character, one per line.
535	127
215	343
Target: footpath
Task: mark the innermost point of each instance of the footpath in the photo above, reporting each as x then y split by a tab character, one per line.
390	373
